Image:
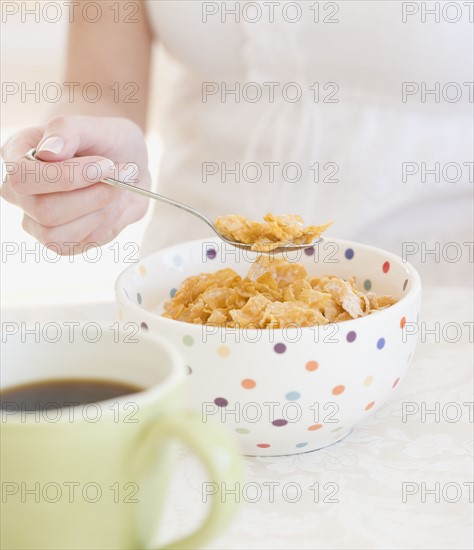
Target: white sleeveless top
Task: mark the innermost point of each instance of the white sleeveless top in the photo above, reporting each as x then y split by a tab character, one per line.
357	147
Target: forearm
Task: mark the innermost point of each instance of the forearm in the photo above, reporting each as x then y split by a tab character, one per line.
108	68
112	103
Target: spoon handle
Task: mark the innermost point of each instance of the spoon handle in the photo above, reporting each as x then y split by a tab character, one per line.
157	197
149	194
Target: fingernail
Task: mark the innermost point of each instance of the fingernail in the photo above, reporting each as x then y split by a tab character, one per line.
53	144
106	166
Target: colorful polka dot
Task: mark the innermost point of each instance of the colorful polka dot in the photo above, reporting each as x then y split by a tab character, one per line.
311	365
223	351
351	336
369	405
349	253
211	253
242	431
302	444
280	422
380	343
368	380
279	348
314	427
248	384
403	322
173	291
405	284
337	390
367	284
142	270
394	385
263	445
188	340
386	267
309	251
139	298
221	402
144	326
293	395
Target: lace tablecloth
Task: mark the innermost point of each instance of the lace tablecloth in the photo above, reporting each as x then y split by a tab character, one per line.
402	479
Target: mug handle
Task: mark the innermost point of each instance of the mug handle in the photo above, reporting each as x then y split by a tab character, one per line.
221	457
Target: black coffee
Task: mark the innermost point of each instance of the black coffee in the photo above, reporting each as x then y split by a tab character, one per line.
66	392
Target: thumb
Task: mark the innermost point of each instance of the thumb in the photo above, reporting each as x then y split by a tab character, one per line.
67	136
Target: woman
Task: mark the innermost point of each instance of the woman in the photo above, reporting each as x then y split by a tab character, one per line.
359	112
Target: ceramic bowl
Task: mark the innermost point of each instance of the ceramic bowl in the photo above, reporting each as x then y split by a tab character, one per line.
284	391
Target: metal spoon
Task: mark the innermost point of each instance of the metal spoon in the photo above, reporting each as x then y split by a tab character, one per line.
121	184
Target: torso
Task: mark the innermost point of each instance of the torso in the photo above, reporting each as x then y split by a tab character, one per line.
360	142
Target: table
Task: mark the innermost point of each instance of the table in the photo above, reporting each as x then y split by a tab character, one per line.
402	479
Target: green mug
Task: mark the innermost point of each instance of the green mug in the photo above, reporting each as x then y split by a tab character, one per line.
95	476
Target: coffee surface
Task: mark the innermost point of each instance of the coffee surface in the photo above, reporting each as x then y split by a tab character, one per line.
67	392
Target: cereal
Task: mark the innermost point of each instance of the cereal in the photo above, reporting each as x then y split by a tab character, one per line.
274	232
274	294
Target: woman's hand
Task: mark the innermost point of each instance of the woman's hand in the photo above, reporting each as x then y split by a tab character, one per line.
59	194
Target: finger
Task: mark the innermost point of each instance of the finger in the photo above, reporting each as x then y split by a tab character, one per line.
65	137
76	230
7	193
54	209
29	177
94	229
13	150
133	212
21	142
63	236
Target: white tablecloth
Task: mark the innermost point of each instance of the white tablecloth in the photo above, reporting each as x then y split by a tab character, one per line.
359	482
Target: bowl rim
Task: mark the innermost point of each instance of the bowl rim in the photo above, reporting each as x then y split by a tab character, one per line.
413	277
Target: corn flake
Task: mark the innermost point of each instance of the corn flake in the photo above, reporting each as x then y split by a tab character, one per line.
274	294
273	232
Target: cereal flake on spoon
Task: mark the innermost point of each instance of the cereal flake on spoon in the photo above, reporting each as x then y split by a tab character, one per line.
272	233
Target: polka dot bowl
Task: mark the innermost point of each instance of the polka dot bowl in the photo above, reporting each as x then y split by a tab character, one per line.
292	390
